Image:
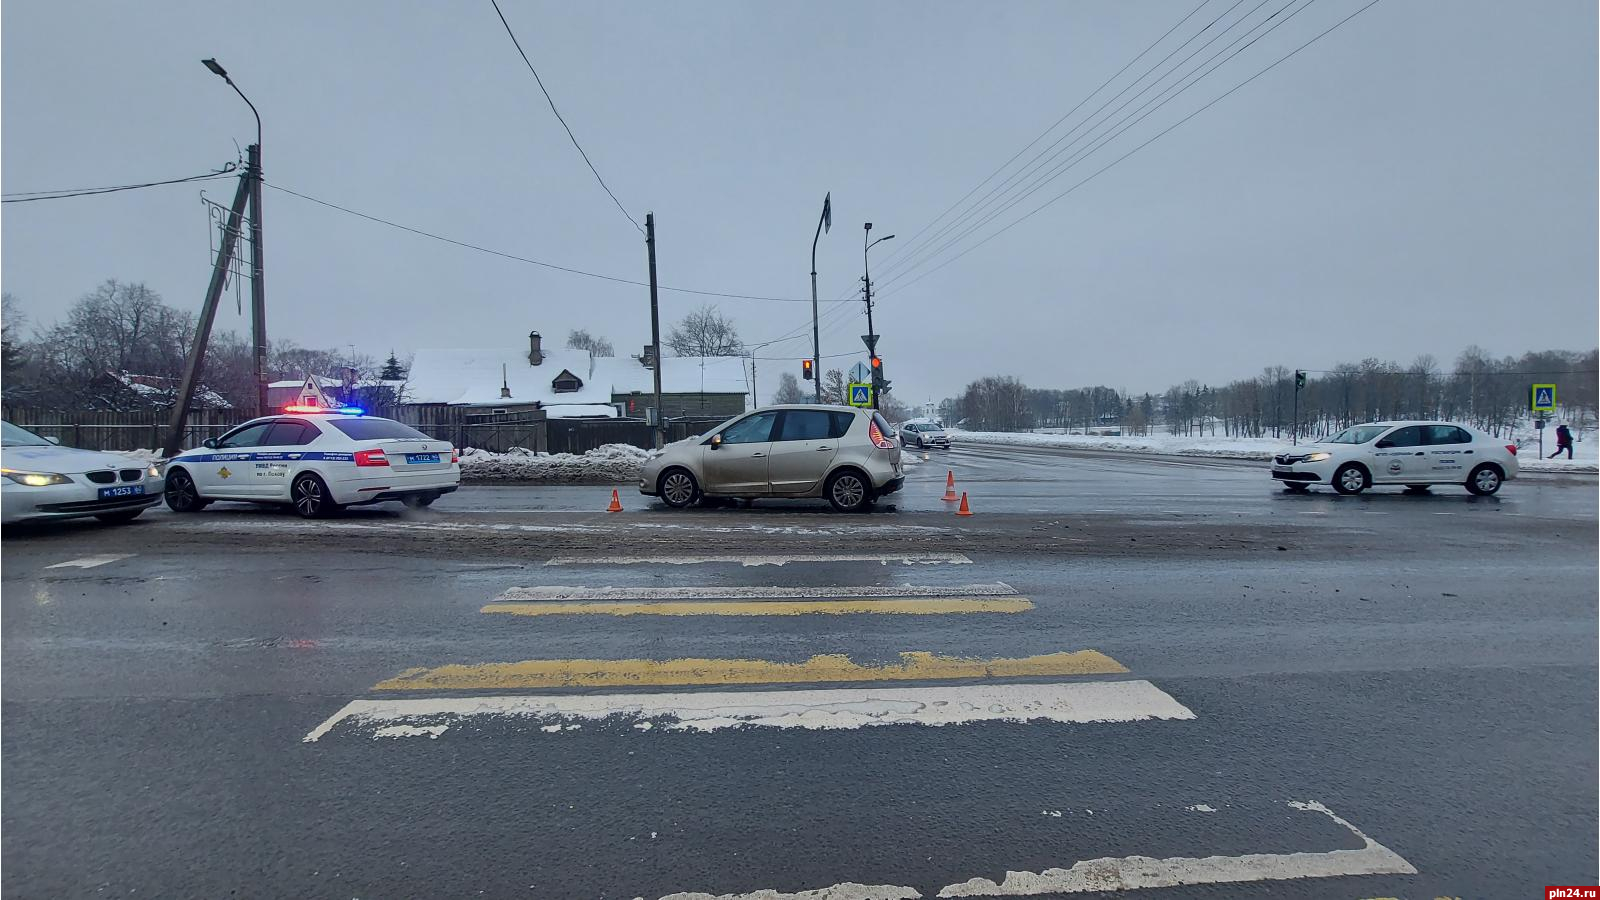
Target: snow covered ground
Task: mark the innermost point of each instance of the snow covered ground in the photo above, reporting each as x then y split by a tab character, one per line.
1584	452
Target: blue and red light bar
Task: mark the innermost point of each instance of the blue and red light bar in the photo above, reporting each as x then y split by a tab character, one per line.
324	410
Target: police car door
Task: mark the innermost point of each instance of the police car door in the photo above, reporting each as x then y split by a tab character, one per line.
226	471
1400	458
275	459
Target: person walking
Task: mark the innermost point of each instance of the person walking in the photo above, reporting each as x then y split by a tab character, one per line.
1563	441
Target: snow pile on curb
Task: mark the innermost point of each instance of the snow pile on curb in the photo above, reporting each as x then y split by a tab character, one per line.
1238	447
148	457
610	464
1172	445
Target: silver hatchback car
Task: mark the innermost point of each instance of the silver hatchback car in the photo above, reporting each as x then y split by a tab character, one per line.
845	455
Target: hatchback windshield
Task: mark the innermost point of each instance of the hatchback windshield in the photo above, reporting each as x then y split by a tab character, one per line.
15	436
1357	435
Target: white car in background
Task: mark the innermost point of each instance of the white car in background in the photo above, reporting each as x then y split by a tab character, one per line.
45	481
1415	454
316	460
923	433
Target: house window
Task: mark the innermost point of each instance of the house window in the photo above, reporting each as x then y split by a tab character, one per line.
566	383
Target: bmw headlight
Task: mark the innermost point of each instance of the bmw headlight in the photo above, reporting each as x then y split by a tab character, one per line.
35	479
1318	457
153	471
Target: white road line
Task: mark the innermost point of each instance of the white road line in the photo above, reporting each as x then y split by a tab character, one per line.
1131	873
755	592
1073	702
772	559
89	562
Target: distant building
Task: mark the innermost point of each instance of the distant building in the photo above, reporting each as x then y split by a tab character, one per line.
374	396
571	384
127	391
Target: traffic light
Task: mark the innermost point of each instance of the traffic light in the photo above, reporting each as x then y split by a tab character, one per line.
806	369
1299	379
880	384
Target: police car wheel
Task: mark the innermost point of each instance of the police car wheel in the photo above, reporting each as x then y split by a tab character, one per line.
181	494
311	499
1484	480
1351	479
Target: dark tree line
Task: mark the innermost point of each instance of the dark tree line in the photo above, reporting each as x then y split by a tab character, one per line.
125	328
1480	389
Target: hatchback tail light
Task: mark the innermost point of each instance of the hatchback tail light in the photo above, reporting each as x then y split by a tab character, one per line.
1511	449
371	458
878	440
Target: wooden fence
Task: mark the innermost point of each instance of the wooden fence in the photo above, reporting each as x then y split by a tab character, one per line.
103	430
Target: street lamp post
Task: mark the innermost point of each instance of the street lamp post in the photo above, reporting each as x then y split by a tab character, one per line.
825	222
258	288
866	273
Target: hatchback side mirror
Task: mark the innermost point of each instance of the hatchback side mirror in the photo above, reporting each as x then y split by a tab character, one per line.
209	443
716	441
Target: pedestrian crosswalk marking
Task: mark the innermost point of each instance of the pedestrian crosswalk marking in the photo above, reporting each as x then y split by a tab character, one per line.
763	559
920	606
1076	702
753	592
570	673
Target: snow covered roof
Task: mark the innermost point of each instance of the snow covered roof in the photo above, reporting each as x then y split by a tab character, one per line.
163	391
679	375
473	377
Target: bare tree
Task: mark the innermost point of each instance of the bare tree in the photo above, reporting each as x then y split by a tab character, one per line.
705	332
833	387
581	339
788	390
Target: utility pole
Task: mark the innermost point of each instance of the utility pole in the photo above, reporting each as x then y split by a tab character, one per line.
655	324
208	312
755	398
825	223
258	287
871	337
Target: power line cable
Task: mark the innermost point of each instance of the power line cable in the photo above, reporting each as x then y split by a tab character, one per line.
518	44
1040	160
523	259
31	196
903	248
1157	136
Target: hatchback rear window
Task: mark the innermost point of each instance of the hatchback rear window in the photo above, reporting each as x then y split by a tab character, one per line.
363	429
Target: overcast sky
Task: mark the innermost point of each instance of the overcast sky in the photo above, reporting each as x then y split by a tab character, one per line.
1421	179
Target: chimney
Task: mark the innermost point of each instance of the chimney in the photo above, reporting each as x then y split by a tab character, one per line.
648	359
505	387
535	353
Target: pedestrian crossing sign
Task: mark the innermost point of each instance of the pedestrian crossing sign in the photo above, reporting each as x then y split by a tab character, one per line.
860	394
1544	398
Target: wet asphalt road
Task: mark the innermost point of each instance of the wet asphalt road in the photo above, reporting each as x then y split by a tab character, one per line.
1422	667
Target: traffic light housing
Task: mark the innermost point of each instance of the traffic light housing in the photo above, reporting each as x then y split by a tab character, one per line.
807	368
1299	379
880	384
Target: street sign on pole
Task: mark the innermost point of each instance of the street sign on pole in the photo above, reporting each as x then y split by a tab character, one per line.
871	340
860	373
1544	398
860	395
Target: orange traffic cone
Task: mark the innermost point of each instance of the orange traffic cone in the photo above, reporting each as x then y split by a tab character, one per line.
950	487
965	510
616	503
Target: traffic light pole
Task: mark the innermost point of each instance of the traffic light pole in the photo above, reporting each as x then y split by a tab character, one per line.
872	336
816	334
1294	431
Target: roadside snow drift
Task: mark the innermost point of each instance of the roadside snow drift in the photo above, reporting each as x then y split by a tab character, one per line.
610	464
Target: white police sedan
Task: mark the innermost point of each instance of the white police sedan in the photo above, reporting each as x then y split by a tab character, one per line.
1415	454
46	481
317	460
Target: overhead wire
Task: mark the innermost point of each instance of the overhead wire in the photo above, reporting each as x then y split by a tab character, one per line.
913	246
540	81
523	259
32	196
1040	160
1157	136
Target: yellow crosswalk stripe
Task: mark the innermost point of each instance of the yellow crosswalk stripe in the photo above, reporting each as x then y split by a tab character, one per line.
884	606
567	673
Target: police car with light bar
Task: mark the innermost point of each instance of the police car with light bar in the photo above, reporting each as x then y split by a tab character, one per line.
318	460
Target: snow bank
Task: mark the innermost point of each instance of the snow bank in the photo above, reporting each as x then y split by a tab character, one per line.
1584	452
148	457
610	464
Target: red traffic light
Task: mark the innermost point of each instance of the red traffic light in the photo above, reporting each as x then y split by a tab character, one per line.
877	363
805	368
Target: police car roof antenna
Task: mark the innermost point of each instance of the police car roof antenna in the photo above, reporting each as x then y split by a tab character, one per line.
208	314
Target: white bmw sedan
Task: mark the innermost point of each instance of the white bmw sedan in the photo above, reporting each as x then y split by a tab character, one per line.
1415	454
44	481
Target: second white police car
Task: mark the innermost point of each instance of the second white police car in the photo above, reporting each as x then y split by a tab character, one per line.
317	460
1415	454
